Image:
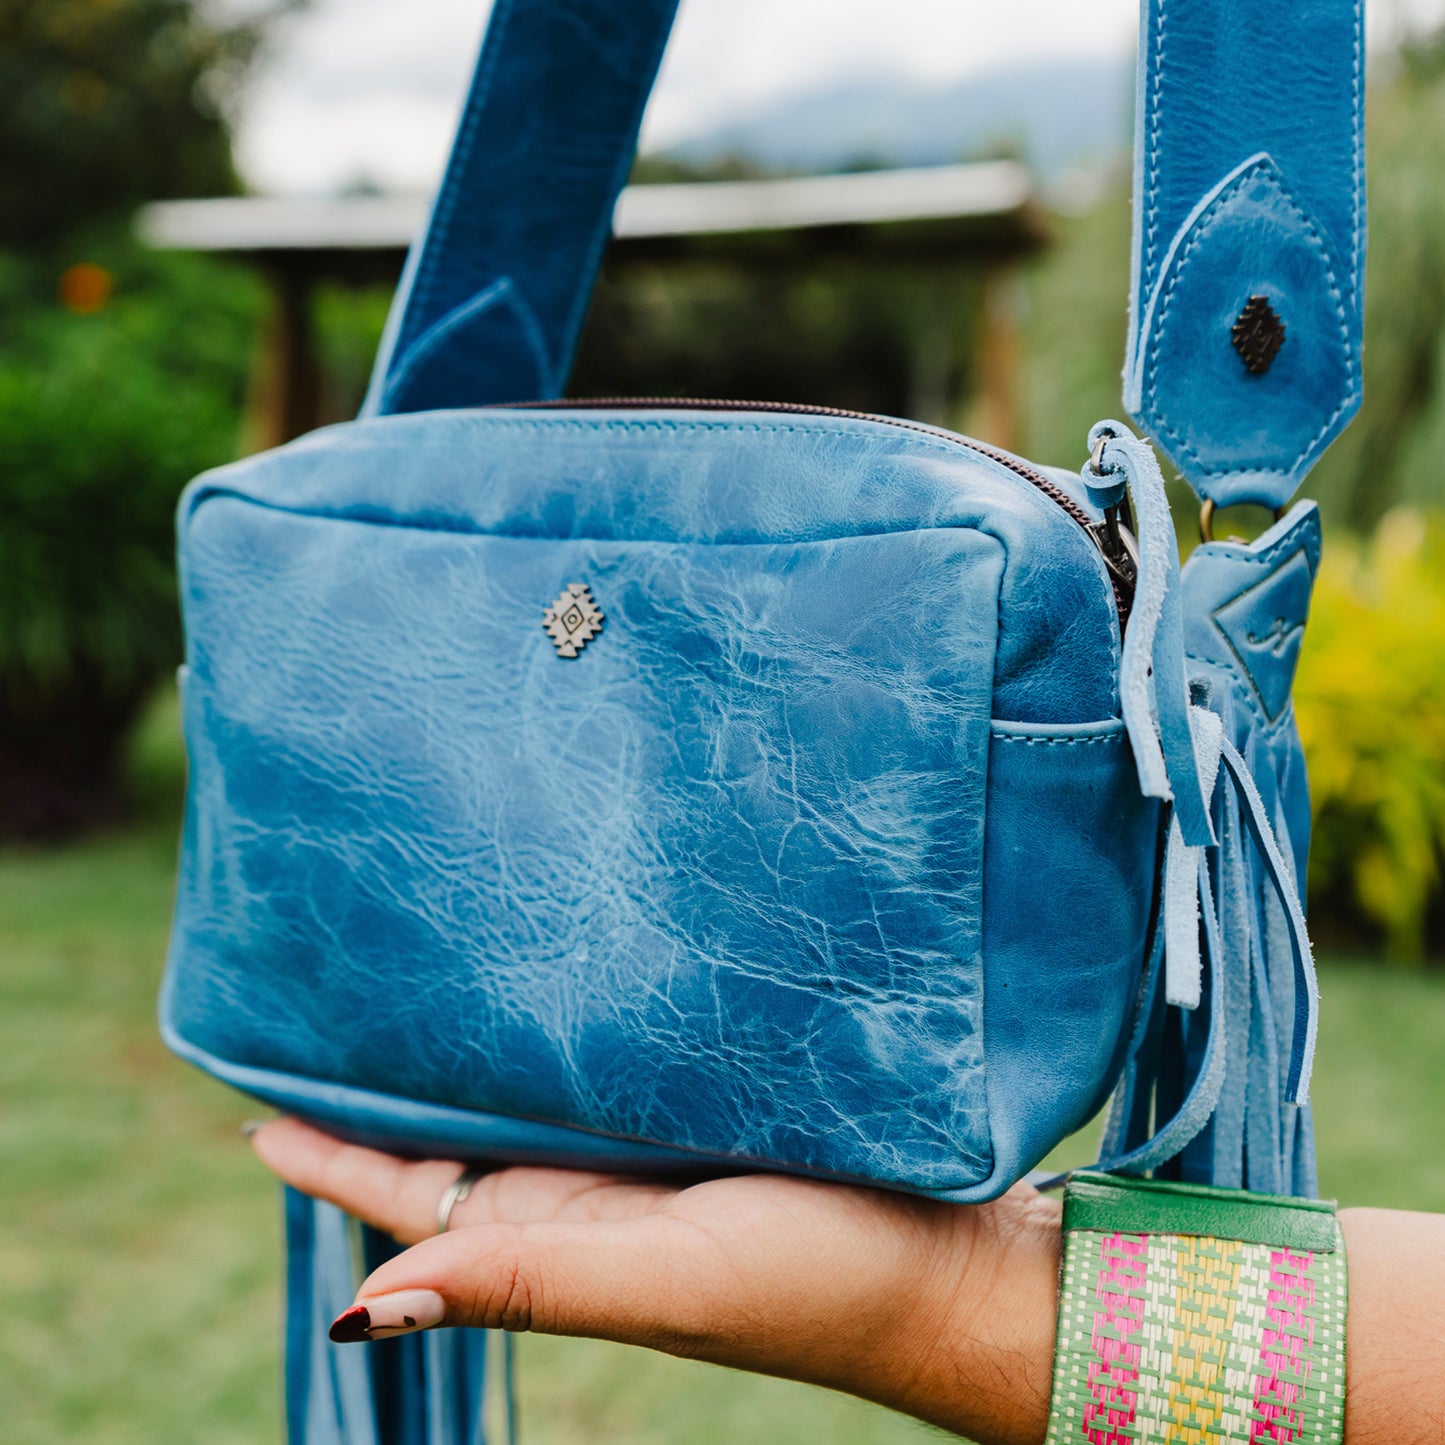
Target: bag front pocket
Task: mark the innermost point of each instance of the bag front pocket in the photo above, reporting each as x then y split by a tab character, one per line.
714	882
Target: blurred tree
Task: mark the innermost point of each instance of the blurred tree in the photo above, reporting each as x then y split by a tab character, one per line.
1076	328
1391	453
108	103
121	374
106	411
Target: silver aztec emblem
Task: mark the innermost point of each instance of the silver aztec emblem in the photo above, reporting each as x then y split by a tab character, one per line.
573	620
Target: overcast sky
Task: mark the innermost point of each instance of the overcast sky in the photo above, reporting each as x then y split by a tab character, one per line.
370	88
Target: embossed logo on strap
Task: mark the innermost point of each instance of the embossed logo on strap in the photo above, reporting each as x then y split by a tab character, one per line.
1264	625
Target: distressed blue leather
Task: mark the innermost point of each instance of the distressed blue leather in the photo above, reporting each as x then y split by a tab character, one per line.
1245	607
495	290
1249	181
1245	610
831	853
719	884
691	892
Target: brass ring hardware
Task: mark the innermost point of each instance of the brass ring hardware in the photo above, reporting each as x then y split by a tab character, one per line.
1096	458
1206	521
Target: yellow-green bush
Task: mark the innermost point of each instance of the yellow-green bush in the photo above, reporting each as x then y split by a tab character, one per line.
1371	704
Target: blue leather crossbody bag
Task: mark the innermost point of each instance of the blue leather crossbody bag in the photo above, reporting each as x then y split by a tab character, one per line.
708	787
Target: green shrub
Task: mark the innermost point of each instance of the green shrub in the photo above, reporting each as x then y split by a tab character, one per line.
1371	706
104	417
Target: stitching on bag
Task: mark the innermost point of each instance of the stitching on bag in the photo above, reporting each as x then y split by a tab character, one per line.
1271	554
639	424
1202	226
307	513
1155	125
1052	742
1356	215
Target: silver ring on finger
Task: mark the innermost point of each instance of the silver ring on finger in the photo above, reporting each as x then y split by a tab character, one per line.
453	1195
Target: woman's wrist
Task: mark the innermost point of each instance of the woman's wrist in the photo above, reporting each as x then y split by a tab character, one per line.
1395	1345
977	1358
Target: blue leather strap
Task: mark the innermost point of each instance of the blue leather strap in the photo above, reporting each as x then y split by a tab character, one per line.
1305	1025
495	292
1248	184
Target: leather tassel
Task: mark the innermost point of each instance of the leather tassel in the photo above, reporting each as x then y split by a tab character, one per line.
431	1388
1221	1083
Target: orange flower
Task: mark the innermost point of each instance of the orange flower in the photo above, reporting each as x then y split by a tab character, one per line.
85	288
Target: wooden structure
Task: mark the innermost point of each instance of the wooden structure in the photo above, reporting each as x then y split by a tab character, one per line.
976	219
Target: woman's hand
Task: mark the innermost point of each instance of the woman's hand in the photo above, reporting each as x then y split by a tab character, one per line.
943	1311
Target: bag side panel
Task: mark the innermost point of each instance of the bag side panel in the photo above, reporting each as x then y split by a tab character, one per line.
1070	837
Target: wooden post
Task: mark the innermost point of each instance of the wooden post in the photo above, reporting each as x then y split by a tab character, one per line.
285	397
995	411
940	331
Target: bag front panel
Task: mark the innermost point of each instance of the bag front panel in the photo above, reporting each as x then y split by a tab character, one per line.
715	882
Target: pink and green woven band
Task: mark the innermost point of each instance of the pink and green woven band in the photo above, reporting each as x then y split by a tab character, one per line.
1197	1316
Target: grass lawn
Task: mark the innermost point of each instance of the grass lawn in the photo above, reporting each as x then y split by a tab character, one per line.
139	1249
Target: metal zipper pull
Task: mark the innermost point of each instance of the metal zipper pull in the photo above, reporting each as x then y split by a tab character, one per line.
1120	550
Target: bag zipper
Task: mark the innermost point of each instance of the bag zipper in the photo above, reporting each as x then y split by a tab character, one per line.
1111	536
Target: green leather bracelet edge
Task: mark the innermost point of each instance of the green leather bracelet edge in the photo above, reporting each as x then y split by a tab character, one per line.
1154	1206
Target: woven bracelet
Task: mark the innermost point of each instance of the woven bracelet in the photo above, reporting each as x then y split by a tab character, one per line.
1198	1316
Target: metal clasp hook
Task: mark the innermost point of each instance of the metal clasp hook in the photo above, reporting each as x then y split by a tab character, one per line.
1207	510
1096	456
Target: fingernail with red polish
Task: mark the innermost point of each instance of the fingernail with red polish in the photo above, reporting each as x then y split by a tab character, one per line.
386	1315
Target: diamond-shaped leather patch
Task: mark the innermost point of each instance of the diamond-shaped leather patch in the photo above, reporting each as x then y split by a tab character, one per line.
1264	625
573	620
1257	335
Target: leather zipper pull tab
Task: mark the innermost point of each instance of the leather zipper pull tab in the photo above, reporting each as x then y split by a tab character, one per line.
1153	683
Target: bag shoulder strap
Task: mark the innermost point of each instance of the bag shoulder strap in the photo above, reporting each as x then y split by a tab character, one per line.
1244	356
495	291
1249	238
